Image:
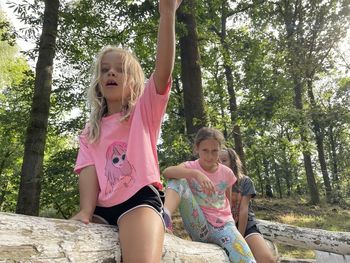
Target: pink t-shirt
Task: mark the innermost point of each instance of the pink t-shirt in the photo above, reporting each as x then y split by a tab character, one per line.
216	207
125	157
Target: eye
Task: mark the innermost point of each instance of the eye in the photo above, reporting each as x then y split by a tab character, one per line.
123	157
119	70
115	160
104	70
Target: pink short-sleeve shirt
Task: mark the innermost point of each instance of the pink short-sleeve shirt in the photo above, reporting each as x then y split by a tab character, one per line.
125	156
216	207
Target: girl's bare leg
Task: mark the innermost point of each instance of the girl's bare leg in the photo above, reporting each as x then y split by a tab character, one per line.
260	249
141	234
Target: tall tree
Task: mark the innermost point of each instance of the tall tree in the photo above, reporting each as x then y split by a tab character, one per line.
31	173
227	65
191	75
313	28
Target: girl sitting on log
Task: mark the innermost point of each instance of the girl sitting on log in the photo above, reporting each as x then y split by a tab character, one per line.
119	179
242	212
202	190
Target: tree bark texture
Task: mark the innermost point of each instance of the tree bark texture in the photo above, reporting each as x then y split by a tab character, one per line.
30	185
191	75
316	239
38	239
319	135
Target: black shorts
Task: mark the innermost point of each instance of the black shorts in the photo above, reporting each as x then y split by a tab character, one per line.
148	196
252	231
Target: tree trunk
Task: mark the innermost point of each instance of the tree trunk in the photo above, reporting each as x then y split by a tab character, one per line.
191	75
310	177
287	173
30	185
336	195
293	22
315	239
38	239
237	135
319	141
278	180
236	131
333	154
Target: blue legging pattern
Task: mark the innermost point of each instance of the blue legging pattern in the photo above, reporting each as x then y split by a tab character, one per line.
199	229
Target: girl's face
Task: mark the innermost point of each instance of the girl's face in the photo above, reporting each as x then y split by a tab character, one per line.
225	158
208	151
113	79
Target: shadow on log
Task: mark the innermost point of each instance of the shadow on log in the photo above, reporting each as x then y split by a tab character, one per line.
38	239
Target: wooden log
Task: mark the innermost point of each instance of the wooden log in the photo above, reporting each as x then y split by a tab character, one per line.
315	239
326	257
38	239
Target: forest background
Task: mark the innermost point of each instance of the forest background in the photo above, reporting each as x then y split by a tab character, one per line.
272	75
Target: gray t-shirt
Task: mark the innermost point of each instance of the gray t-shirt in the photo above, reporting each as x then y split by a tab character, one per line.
244	187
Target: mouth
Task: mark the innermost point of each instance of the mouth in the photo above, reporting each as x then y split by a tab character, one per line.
111	84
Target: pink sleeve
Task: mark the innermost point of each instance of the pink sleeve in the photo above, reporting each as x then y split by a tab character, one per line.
84	158
153	105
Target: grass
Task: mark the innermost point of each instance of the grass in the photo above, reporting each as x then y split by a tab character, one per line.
298	212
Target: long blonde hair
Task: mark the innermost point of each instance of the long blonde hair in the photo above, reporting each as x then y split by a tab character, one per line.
235	163
97	102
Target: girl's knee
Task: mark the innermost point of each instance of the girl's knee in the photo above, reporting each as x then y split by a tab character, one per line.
268	258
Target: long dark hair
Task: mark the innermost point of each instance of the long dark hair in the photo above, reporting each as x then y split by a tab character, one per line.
236	164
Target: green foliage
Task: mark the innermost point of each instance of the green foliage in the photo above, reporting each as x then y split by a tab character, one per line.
256	49
16	88
60	184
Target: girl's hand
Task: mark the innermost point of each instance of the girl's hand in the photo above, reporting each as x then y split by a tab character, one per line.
206	185
82	216
168	5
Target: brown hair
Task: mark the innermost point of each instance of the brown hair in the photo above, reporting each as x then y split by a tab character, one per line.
235	163
206	133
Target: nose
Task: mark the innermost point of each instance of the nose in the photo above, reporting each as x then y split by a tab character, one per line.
111	73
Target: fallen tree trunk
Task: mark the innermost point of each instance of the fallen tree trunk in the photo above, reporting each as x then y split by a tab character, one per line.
315	239
38	239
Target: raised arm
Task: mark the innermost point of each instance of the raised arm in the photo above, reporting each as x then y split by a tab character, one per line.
165	44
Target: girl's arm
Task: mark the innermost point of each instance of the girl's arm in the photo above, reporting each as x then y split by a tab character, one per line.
166	44
229	194
88	191
243	214
181	171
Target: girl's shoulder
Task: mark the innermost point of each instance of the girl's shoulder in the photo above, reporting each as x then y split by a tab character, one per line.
85	131
246	180
225	169
191	164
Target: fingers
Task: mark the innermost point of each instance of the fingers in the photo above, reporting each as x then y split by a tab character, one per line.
81	218
208	187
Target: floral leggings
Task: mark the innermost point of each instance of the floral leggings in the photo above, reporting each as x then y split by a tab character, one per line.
199	229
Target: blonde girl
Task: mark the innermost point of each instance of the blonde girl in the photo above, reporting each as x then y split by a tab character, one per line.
119	179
